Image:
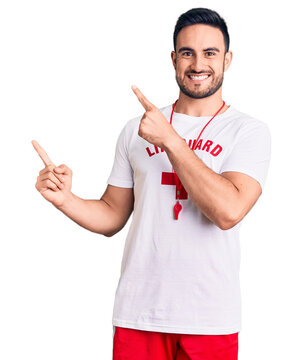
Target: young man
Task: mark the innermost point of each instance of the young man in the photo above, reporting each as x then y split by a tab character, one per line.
189	172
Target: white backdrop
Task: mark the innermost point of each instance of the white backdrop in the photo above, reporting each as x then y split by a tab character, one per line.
66	70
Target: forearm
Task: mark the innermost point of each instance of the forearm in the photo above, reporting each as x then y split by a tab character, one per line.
94	215
216	197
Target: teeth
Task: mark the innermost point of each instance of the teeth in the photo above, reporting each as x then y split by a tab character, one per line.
198	77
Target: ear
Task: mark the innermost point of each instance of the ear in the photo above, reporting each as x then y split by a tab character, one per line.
227	60
174	59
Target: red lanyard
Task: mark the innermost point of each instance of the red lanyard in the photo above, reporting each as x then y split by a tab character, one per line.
179	185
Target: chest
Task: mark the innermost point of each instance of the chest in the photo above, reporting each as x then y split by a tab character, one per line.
212	147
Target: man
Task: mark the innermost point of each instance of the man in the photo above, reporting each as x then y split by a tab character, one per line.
189	172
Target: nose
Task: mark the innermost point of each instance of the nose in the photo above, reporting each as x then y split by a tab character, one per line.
199	63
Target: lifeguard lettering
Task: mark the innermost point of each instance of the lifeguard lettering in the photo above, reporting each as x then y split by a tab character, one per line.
153	153
215	151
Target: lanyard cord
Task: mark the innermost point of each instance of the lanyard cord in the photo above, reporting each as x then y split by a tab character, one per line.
178	182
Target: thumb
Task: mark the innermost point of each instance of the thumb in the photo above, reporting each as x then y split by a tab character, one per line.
60	169
63	169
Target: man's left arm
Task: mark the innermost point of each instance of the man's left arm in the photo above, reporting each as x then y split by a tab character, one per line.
223	198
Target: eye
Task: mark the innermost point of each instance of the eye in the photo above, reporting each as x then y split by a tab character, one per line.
210	53
186	53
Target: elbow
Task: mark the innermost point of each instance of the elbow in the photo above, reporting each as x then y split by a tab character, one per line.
114	231
110	234
226	225
228	222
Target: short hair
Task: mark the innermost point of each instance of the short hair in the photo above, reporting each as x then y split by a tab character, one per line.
202	16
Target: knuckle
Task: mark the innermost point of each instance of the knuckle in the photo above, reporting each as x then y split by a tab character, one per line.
56	180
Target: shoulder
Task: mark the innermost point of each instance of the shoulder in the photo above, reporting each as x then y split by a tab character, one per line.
246	123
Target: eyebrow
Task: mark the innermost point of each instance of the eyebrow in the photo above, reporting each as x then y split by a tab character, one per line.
190	49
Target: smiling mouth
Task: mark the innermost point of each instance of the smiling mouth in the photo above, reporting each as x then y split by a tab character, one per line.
198	77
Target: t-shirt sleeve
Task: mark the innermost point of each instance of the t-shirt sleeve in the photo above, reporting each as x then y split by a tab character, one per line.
251	152
122	173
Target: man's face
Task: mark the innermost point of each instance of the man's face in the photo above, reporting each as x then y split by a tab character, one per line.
200	60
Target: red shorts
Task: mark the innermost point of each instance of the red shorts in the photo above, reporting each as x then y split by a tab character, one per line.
132	344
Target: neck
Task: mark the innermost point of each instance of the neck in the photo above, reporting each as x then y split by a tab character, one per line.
200	107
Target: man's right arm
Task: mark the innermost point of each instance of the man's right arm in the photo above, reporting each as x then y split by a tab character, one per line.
106	216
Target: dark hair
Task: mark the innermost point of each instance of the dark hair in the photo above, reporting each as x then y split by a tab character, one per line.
202	16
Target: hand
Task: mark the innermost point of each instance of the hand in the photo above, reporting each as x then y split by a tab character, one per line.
154	127
53	183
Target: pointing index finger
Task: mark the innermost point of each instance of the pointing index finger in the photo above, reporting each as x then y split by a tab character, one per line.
143	100
42	153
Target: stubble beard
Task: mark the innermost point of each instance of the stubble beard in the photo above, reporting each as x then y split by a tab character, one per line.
196	94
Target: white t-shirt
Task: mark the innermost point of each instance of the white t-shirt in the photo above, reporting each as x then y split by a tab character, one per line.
182	276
